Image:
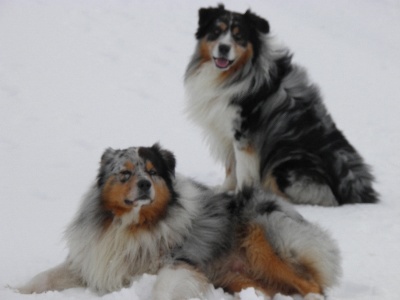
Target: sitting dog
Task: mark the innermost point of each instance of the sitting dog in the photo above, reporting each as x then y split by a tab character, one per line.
264	119
139	217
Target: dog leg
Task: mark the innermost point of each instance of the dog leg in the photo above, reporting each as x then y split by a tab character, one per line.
305	182
56	279
247	166
312	296
269	184
230	174
246	157
180	282
234	282
305	191
268	266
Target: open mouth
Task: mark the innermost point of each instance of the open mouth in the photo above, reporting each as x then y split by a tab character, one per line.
222	63
145	199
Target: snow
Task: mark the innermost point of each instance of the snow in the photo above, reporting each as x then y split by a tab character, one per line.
77	77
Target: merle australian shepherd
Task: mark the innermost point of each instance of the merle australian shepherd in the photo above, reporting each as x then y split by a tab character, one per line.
139	217
264	119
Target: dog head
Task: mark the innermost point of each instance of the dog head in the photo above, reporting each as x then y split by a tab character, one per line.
228	38
137	182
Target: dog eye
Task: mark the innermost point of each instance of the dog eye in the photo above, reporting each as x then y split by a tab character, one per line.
152	172
216	31
124	176
237	32
238	36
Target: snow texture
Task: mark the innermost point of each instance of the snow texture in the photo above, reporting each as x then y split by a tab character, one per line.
77	77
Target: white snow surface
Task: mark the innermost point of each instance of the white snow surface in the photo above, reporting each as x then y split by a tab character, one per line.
77	77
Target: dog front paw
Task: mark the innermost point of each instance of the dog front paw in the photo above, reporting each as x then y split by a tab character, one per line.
314	296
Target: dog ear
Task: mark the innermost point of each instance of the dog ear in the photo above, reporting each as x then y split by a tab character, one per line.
106	159
107	156
206	17
168	157
257	22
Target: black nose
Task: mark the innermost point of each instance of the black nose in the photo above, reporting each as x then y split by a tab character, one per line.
144	185
224	49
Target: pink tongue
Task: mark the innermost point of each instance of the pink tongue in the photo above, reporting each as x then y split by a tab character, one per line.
221	62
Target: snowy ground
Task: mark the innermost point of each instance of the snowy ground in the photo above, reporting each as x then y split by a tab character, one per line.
76	78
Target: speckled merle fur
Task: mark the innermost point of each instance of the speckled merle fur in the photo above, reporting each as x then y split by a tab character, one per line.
280	114
188	244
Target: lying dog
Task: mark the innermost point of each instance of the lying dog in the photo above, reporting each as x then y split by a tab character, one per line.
139	218
264	119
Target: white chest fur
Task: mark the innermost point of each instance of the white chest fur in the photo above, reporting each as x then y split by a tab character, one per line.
108	260
208	105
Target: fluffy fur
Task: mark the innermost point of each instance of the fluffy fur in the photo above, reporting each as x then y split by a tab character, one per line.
141	218
264	119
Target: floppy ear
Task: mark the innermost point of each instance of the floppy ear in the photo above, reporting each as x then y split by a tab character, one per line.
168	157
257	22
206	17
106	159
107	156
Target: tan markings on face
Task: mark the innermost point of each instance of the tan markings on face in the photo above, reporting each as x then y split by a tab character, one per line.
243	55
206	50
150	214
149	166
115	191
223	26
129	166
235	30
